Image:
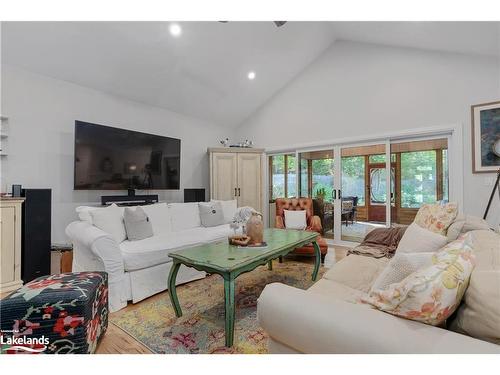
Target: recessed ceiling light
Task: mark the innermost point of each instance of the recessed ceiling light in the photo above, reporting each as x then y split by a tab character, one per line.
251	76
175	29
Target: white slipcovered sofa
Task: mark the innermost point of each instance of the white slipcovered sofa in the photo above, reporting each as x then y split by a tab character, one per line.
327	317
139	269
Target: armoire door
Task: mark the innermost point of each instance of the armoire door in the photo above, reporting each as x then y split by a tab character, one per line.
250	180
224	175
8	246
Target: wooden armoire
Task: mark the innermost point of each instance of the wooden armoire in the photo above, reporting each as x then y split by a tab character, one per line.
237	173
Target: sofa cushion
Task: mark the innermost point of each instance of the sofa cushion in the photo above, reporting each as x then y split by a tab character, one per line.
110	220
336	290
228	208
211	214
431	294
437	217
154	250
400	267
159	215
479	315
417	239
356	271
137	224
184	216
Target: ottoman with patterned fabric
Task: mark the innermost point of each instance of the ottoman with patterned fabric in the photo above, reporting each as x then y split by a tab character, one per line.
69	311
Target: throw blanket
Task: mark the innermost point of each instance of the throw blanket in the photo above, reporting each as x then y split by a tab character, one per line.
243	214
380	242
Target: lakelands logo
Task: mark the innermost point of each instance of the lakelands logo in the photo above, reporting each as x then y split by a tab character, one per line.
19	344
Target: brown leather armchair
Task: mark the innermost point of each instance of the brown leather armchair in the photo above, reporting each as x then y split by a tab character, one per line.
313	222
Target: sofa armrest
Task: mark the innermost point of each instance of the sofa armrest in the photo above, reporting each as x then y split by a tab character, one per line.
315	224
313	323
90	244
278	223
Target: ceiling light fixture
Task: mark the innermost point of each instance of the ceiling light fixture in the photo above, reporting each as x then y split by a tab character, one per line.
251	76
175	29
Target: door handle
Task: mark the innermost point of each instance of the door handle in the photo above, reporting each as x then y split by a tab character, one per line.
235	192
239	192
340	194
334	194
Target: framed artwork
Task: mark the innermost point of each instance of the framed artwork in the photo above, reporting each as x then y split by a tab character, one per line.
485	137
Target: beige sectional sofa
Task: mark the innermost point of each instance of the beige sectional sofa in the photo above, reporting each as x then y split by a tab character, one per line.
327	318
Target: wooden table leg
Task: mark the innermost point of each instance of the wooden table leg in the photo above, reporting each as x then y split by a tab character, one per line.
317	261
172	292
230	309
270	265
280	259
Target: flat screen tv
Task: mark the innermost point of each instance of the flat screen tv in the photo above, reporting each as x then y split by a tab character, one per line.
108	158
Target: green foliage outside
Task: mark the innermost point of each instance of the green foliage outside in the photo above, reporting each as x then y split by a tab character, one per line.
418	178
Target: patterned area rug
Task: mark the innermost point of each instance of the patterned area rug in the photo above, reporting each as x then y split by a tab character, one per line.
201	328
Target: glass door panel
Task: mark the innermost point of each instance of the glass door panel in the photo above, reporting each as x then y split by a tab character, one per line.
282	180
363	191
421	176
316	178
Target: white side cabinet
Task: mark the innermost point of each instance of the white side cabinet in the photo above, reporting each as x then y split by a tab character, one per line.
237	173
10	242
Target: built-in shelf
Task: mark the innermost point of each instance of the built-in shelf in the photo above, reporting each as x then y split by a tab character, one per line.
4	133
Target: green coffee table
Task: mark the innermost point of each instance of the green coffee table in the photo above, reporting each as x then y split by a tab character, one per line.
230	262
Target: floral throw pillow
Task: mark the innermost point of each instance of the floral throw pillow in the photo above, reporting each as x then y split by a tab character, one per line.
432	294
436	217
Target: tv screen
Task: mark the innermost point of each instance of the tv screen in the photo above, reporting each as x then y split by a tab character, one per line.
109	158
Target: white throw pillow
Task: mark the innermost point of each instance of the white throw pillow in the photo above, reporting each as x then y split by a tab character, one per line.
184	216
401	266
419	240
295	219
211	214
228	209
110	220
159	215
83	213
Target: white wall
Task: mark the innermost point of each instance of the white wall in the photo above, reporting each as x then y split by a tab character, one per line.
357	89
42	112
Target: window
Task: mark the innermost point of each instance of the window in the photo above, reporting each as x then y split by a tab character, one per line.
322	178
282	176
418	178
353	178
291	176
445	174
277	164
380	158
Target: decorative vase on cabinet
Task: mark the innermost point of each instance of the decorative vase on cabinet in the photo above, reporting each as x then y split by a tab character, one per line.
237	173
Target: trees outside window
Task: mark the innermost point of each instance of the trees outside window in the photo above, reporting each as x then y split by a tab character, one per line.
353	177
418	178
282	176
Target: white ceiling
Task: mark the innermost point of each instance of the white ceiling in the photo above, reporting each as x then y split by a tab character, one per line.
203	73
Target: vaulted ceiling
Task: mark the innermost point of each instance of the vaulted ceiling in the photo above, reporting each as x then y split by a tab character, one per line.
203	72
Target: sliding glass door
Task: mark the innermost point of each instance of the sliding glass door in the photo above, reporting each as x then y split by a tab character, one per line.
421	176
357	188
363	190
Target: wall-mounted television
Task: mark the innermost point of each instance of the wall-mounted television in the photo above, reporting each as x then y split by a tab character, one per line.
108	158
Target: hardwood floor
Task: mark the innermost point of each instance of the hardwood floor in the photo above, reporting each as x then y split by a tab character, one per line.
117	341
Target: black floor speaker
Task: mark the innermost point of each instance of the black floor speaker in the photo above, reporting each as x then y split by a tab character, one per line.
36	233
